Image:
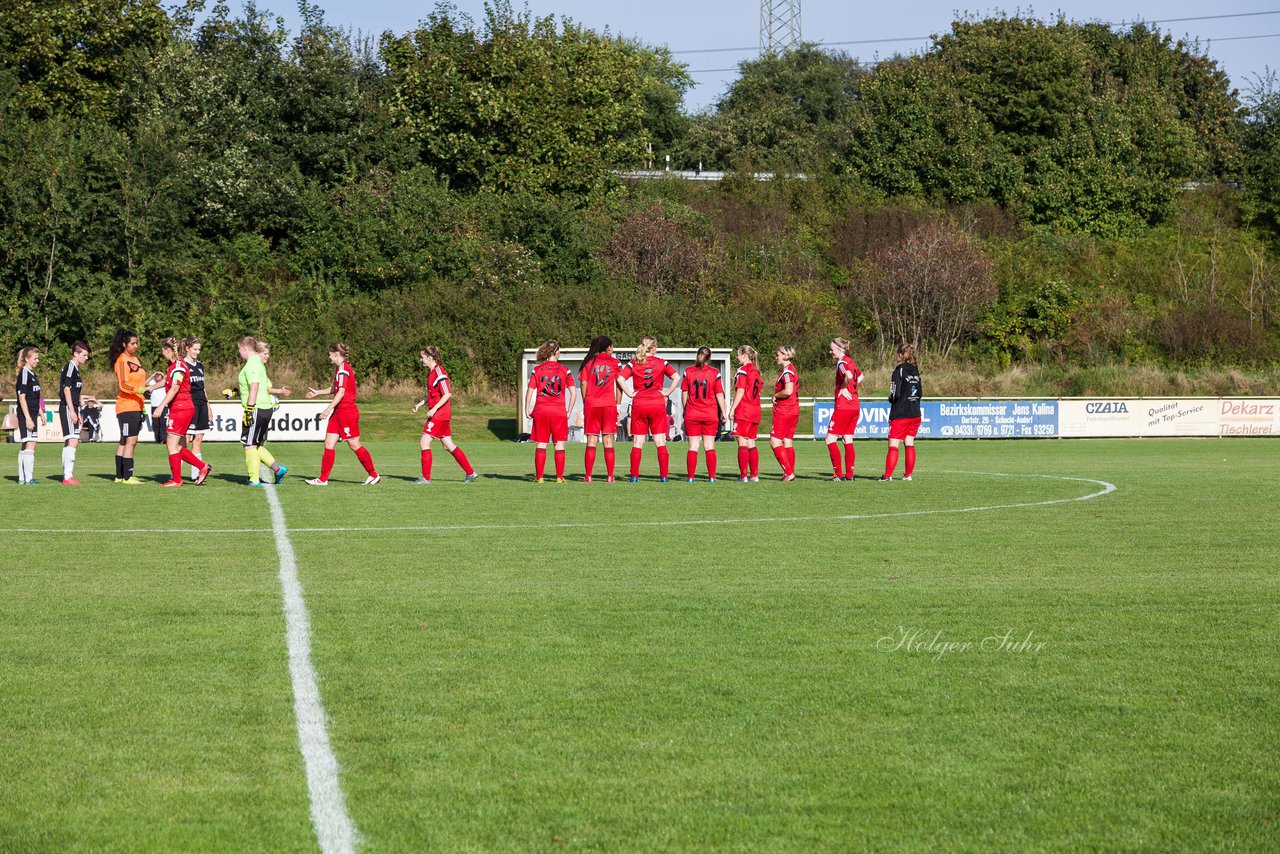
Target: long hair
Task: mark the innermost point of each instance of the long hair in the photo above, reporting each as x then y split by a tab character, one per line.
906	353
648	346
748	351
188	343
118	343
340	348
599	344
177	345
703	358
548	349
788	352
842	343
23	355
432	352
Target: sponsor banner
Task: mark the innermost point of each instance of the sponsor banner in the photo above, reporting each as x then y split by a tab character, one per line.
291	422
1248	417
1138	417
955	419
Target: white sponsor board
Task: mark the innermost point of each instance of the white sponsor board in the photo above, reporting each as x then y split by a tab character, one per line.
1100	417
292	421
1249	416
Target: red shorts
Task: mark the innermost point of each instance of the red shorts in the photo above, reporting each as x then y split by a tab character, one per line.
436	428
550	427
649	421
746	429
844	421
701	427
784	424
600	419
344	422
179	420
901	428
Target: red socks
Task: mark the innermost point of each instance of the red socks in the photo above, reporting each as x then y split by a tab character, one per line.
911	459
691	463
326	463
755	461
850	457
559	464
635	461
891	461
791	460
664	462
589	459
426	465
711	464
744	461
539	462
609	458
175	467
362	454
780	454
462	460
833	448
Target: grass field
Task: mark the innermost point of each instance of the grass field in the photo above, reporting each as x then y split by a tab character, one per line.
975	660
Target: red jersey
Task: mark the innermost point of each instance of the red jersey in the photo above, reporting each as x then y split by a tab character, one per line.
792	403
599	380
703	384
847	376
179	375
749	380
437	387
647	378
553	381
345	378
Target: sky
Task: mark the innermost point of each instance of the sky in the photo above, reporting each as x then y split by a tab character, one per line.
1244	45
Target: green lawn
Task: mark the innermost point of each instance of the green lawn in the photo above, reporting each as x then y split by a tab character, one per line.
509	666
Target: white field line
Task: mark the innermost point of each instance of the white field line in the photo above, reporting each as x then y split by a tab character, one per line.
334	830
1106	489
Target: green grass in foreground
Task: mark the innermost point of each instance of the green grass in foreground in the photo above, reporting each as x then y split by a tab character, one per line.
539	667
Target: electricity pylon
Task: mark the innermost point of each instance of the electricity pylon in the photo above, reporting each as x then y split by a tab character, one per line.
779	25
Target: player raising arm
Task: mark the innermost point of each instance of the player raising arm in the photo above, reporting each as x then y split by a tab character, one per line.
30	408
343	418
905	390
702	399
549	398
437	400
844	421
648	373
70	384
745	413
786	412
177	399
600	376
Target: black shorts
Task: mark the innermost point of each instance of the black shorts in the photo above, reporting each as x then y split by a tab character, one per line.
254	433
69	431
202	422
28	435
130	424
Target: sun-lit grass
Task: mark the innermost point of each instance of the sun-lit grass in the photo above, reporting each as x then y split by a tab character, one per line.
509	666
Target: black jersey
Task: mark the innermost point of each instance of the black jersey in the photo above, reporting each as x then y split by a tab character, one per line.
195	371
904	392
29	387
70	379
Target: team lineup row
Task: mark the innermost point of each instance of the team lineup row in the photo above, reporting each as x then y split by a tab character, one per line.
550	396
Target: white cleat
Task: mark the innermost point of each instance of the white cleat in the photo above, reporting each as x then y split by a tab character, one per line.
908	477
315	481
372	480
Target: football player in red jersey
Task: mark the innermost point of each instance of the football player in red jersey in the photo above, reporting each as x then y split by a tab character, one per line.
649	405
177	399
702	398
600	377
549	399
745	413
786	412
439	411
844	421
343	418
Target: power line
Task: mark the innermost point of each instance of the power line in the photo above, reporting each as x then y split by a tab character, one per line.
1242	38
925	38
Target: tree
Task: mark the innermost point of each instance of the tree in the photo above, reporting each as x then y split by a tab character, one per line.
1262	155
